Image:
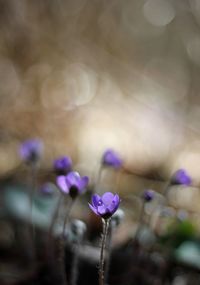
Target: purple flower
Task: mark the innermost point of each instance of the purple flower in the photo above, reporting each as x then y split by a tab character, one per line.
72	183
31	150
62	165
47	189
181	177
106	205
111	158
148	195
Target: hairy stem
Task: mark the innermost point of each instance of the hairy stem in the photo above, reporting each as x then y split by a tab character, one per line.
106	223
61	253
66	219
98	179
140	220
50	244
109	249
33	188
55	215
74	268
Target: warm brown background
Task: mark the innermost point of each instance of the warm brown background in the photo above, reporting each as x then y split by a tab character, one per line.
85	75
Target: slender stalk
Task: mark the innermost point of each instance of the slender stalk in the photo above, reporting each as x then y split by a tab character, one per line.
118	180
109	250
61	250
98	178
61	260
66	219
106	223
32	195
166	189
30	223
50	244
140	220
162	203
74	268
55	215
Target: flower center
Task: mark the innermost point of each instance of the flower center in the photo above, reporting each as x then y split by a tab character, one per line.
73	191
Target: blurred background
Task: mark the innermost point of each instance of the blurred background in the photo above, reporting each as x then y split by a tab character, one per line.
85	75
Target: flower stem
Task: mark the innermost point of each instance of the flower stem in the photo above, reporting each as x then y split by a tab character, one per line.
109	249
61	241
55	215
106	223
50	245
98	179
61	253
32	194
61	260
66	219
30	222
140	220
166	190
74	268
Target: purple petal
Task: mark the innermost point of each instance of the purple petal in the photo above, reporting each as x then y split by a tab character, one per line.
47	189
63	163
95	200
114	204
83	182
148	195
107	198
93	209
102	210
116	199
111	158
31	149
73	179
61	182
181	177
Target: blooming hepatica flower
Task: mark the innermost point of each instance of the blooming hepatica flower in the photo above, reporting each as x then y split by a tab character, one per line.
62	165
181	177
72	183
31	150
111	158
106	205
148	195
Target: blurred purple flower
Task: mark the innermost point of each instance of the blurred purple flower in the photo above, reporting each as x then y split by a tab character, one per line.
181	177
72	183
31	150
111	158
148	195
106	205
47	189
62	165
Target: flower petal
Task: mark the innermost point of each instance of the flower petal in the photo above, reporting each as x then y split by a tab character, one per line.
62	163
93	209
95	200
102	210
61	182
107	198
73	179
111	158
114	204
83	182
